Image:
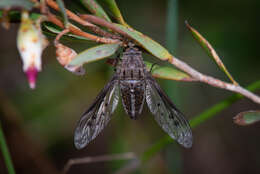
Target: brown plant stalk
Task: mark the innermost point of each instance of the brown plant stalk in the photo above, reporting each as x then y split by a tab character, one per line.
85	23
99	21
196	75
212	81
108	39
101	158
52	18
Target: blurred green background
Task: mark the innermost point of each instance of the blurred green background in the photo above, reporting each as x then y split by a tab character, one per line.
39	124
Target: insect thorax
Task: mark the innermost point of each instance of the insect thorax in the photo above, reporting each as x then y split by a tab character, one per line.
131	72
131	67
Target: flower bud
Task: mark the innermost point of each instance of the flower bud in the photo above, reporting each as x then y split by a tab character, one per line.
65	55
30	42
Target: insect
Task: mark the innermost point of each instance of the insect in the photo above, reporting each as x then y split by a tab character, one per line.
135	84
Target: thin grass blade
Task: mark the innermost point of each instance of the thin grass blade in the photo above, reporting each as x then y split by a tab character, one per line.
210	51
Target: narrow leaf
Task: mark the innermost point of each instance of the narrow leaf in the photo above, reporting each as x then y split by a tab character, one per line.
63	12
247	118
210	51
94	54
150	45
55	29
169	73
9	4
94	7
111	4
5	153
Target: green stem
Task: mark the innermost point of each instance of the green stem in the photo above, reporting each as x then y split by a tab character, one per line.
171	44
197	120
170	86
172	25
6	154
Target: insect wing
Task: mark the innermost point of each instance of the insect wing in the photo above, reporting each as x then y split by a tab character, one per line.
93	121
166	114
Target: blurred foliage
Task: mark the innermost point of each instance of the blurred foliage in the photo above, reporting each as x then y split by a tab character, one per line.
49	113
16	3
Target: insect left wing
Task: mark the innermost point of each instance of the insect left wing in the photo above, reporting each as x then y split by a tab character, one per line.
93	121
166	114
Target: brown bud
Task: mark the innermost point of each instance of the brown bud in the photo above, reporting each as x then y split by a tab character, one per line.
65	55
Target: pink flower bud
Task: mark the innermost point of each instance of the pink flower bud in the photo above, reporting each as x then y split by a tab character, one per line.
30	42
31	74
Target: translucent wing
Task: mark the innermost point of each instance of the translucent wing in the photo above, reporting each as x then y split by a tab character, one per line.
166	114
93	121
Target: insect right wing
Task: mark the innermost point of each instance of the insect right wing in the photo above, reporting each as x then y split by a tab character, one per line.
93	121
166	114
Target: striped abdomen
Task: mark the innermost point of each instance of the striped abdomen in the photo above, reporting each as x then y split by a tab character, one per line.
133	95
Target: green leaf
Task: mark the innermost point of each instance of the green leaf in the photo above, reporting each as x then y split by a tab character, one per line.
197	120
210	51
247	118
26	4
5	152
94	54
96	9
111	4
63	12
55	29
150	45
169	73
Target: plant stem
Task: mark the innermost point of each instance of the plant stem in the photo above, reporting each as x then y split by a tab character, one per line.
75	30
172	44
91	26
172	25
101	158
171	87
5	152
211	80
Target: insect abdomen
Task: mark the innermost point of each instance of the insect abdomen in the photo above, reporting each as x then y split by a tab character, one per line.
133	95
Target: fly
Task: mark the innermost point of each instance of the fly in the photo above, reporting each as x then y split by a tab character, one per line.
136	85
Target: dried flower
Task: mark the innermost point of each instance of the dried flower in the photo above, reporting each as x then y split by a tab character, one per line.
30	42
65	55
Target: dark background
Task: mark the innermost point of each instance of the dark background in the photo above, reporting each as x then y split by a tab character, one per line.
39	124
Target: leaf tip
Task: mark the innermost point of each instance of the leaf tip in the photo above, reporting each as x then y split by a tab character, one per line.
247	118
238	119
187	24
